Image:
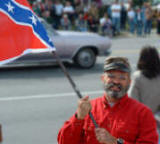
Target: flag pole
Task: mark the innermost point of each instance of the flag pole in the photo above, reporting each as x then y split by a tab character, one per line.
72	84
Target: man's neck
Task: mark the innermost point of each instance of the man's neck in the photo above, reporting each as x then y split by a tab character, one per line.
111	99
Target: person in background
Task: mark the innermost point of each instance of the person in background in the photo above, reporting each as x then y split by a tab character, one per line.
68	9
143	10
81	23
65	22
94	11
106	25
139	21
120	119
158	23
146	80
116	15
36	6
131	20
148	24
123	16
92	24
58	14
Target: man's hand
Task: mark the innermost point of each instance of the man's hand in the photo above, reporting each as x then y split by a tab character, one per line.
103	136
84	106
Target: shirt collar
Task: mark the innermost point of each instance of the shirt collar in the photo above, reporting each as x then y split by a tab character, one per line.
120	102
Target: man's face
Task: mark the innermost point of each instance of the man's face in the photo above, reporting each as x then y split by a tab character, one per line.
116	83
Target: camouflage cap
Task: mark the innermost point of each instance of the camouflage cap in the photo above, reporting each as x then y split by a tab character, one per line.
117	63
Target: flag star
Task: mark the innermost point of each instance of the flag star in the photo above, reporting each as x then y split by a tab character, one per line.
10	7
50	40
33	18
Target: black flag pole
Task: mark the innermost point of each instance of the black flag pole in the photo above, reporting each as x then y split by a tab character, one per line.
72	84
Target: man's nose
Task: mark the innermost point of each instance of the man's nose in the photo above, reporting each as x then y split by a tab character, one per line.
116	80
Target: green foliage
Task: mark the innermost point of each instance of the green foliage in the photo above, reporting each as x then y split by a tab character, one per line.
140	2
137	2
30	1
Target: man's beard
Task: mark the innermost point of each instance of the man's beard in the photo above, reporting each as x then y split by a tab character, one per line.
115	94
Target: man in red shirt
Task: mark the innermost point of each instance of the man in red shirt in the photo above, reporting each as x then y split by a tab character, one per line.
120	119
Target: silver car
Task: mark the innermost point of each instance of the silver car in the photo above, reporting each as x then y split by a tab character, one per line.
80	48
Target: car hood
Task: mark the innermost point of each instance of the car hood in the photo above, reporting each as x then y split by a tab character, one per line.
73	33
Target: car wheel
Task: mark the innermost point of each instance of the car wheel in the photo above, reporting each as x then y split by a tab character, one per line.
85	58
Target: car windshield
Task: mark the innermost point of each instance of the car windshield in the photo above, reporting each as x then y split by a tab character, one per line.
49	29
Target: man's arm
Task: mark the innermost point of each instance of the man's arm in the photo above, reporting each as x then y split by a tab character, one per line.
72	131
147	128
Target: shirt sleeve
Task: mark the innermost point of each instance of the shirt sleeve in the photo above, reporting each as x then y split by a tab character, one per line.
71	132
147	129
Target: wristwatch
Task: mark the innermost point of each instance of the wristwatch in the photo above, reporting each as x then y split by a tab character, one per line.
120	141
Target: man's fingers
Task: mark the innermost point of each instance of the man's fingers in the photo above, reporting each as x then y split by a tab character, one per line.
84	106
100	132
85	98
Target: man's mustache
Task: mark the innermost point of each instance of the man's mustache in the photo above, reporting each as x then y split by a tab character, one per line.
110	85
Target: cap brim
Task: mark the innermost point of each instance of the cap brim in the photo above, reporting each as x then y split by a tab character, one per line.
117	66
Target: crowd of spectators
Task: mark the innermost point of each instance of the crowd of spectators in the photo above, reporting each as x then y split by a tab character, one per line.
85	15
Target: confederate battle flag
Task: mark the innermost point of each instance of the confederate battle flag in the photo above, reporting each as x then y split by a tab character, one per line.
20	31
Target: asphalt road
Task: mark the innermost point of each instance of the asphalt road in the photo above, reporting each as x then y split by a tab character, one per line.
35	102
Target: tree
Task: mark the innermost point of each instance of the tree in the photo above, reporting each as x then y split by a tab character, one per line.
140	2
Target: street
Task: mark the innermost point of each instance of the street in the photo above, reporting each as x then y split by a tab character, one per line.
35	102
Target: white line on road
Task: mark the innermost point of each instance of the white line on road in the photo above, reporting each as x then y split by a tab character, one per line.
45	96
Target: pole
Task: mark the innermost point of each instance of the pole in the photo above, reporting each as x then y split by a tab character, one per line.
73	84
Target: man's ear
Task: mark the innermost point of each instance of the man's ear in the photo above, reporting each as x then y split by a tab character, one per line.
102	77
130	81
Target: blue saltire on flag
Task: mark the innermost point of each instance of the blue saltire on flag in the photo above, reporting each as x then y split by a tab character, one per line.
21	32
